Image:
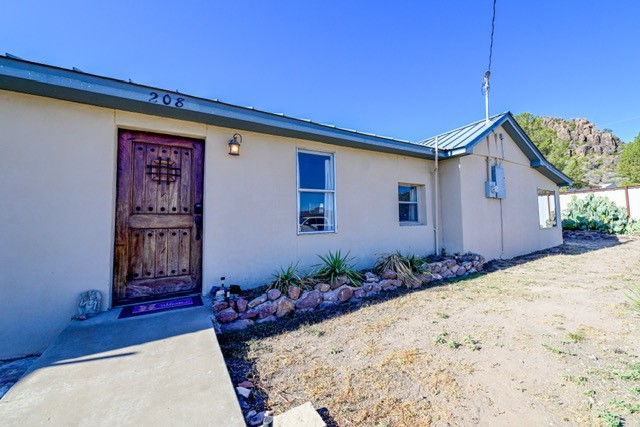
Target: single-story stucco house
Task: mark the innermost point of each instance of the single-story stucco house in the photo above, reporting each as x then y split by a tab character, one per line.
144	193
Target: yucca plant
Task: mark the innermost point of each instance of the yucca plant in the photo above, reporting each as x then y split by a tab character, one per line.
414	262
401	265
307	282
334	264
285	277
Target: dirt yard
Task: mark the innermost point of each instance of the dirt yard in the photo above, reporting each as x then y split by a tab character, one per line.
545	339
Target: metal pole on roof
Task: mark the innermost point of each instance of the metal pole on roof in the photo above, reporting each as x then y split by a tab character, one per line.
485	80
485	90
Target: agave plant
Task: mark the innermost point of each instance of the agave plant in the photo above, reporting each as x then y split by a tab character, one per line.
285	277
334	265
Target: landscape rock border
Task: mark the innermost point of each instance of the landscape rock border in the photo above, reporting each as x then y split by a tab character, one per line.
235	313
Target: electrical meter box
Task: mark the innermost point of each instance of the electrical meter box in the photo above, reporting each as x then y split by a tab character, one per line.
495	189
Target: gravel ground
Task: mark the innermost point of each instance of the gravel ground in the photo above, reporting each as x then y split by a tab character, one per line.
543	339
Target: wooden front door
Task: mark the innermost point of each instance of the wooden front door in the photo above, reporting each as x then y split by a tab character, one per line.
158	244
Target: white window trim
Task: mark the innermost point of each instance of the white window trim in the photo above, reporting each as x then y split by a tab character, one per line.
298	190
557	203
420	197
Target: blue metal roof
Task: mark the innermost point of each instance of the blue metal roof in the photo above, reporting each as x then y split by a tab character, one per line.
460	138
73	85
460	142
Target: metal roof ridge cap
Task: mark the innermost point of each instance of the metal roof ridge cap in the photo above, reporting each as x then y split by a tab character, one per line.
465	126
486	132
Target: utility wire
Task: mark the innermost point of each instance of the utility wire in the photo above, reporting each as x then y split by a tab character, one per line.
493	28
485	80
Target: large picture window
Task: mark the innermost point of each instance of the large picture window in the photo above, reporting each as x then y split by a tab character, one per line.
408	203
547	213
316	192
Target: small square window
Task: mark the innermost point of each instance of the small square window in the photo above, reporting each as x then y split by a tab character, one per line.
408	203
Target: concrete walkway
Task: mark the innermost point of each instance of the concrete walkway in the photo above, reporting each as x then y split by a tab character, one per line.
162	369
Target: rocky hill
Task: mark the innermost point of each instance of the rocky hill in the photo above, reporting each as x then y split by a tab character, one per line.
577	147
601	149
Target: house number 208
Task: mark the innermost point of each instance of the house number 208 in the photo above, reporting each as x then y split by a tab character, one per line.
166	99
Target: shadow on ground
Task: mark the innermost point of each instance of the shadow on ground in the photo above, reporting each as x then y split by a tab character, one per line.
235	346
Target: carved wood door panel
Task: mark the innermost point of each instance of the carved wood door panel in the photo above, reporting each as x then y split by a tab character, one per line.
158	242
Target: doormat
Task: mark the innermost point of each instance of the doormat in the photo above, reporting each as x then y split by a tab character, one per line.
157	307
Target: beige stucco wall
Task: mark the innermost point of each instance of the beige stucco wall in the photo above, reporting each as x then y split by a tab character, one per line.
56	221
502	228
450	207
57	176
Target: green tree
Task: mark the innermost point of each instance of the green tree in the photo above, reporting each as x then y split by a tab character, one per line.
629	164
554	149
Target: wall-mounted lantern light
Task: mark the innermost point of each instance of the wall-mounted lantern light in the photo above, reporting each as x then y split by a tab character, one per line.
234	145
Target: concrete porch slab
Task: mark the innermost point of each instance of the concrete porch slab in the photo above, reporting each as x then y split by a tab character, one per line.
303	415
159	369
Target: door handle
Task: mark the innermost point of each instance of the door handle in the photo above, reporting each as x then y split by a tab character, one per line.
197	209
198	221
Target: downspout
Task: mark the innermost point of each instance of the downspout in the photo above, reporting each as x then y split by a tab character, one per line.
495	138
437	206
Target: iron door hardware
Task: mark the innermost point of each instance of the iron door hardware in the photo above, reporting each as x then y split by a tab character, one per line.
198	221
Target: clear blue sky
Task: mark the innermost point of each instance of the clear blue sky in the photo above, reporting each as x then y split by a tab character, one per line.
407	69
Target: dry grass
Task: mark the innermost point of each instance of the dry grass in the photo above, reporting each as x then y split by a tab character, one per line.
544	339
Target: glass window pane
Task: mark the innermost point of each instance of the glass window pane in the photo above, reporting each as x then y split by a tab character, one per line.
408	212
315	171
407	193
317	212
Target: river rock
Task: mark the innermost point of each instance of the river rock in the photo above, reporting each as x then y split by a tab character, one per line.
310	299
389	274
249	314
273	294
359	293
266	309
256	301
294	292
330	296
323	287
372	287
284	307
344	293
387	283
371	277
241	305
219	305
227	315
